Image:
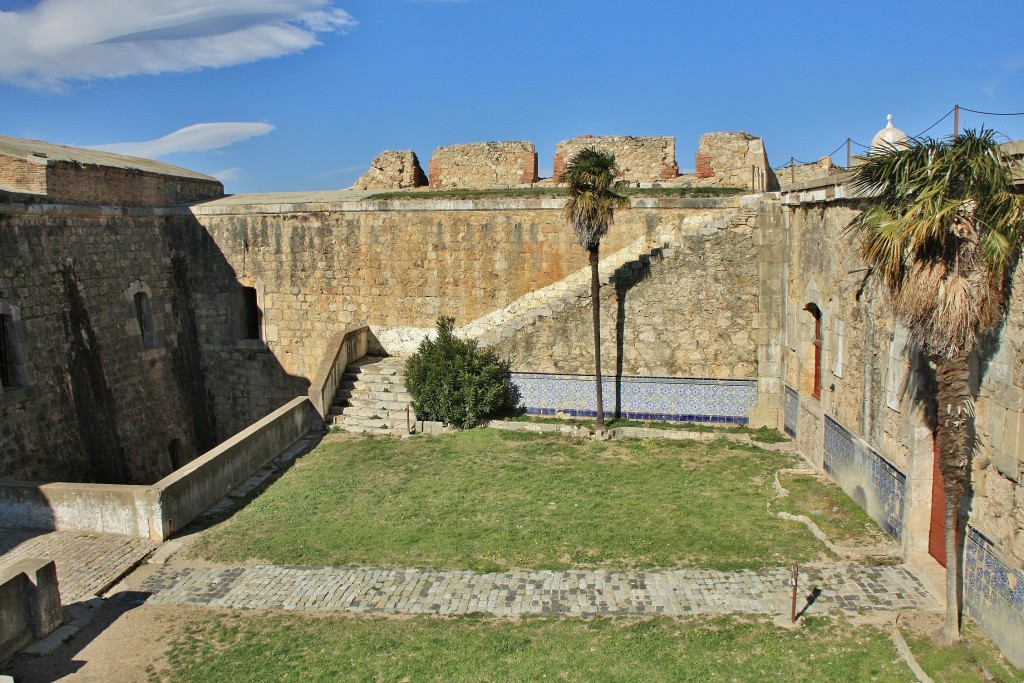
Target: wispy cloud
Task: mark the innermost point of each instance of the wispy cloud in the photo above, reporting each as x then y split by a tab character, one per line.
58	41
228	174
196	138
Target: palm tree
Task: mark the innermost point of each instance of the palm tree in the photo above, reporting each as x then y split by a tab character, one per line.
944	236
593	198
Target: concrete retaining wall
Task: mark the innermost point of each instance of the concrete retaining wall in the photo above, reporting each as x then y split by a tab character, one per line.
345	347
29	604
190	491
156	511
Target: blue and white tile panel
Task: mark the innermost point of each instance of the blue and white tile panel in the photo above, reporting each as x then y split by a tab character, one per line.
865	475
994	592
639	398
792	411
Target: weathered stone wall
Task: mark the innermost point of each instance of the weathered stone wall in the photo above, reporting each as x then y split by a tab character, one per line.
22	174
71	183
871	376
800	173
640	159
70	175
732	160
320	271
392	170
482	165
871	415
92	402
688	313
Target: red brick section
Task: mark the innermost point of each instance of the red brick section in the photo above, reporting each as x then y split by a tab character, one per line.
19	174
529	175
704	169
670	171
559	165
433	175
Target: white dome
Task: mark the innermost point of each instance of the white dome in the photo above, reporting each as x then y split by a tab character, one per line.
888	137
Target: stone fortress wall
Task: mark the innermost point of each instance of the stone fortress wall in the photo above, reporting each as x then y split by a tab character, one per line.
482	165
75	176
640	159
244	294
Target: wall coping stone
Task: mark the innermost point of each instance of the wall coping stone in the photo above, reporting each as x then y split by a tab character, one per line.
416	204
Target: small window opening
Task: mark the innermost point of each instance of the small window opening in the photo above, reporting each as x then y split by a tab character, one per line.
251	318
144	314
175	451
6	352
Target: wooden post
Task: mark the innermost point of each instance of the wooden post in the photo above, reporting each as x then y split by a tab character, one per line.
956	120
849	159
792	171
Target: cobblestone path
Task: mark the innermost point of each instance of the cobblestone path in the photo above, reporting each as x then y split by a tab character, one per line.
846	587
86	563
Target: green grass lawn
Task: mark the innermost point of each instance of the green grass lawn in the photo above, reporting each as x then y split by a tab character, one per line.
237	646
974	658
844	522
489	500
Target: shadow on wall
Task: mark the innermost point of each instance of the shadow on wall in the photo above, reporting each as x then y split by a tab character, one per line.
141	345
622	288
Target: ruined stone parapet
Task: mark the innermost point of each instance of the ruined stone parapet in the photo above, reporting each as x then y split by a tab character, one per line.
799	173
393	169
645	160
482	165
732	160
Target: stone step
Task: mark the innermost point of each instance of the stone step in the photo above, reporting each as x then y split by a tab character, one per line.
373	403
367	394
376	412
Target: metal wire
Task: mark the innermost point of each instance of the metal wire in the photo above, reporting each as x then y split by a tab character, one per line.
936	123
992	113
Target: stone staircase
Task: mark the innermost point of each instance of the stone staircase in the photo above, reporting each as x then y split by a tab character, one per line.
529	309
372	399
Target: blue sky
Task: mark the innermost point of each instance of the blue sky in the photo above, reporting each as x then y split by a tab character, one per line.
302	94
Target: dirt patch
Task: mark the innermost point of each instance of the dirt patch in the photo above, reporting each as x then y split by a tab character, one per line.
124	643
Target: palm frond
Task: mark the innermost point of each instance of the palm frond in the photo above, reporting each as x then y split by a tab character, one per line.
594	194
943	232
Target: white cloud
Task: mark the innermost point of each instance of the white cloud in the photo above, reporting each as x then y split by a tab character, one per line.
228	174
57	41
196	138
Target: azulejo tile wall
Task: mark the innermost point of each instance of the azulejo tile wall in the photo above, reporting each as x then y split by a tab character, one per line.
993	591
792	411
866	476
639	398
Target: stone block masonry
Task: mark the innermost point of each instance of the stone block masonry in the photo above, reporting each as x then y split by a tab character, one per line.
640	159
688	312
732	160
482	165
93	401
393	170
69	175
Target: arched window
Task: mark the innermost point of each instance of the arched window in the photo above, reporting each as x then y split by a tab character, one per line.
816	342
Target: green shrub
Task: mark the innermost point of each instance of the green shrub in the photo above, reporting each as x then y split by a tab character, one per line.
457	382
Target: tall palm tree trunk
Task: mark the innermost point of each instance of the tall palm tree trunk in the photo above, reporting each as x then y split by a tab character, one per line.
595	304
952	433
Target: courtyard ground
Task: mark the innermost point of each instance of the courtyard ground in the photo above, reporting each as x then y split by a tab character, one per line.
472	556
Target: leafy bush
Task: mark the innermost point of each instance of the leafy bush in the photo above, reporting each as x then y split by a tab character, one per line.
457	382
